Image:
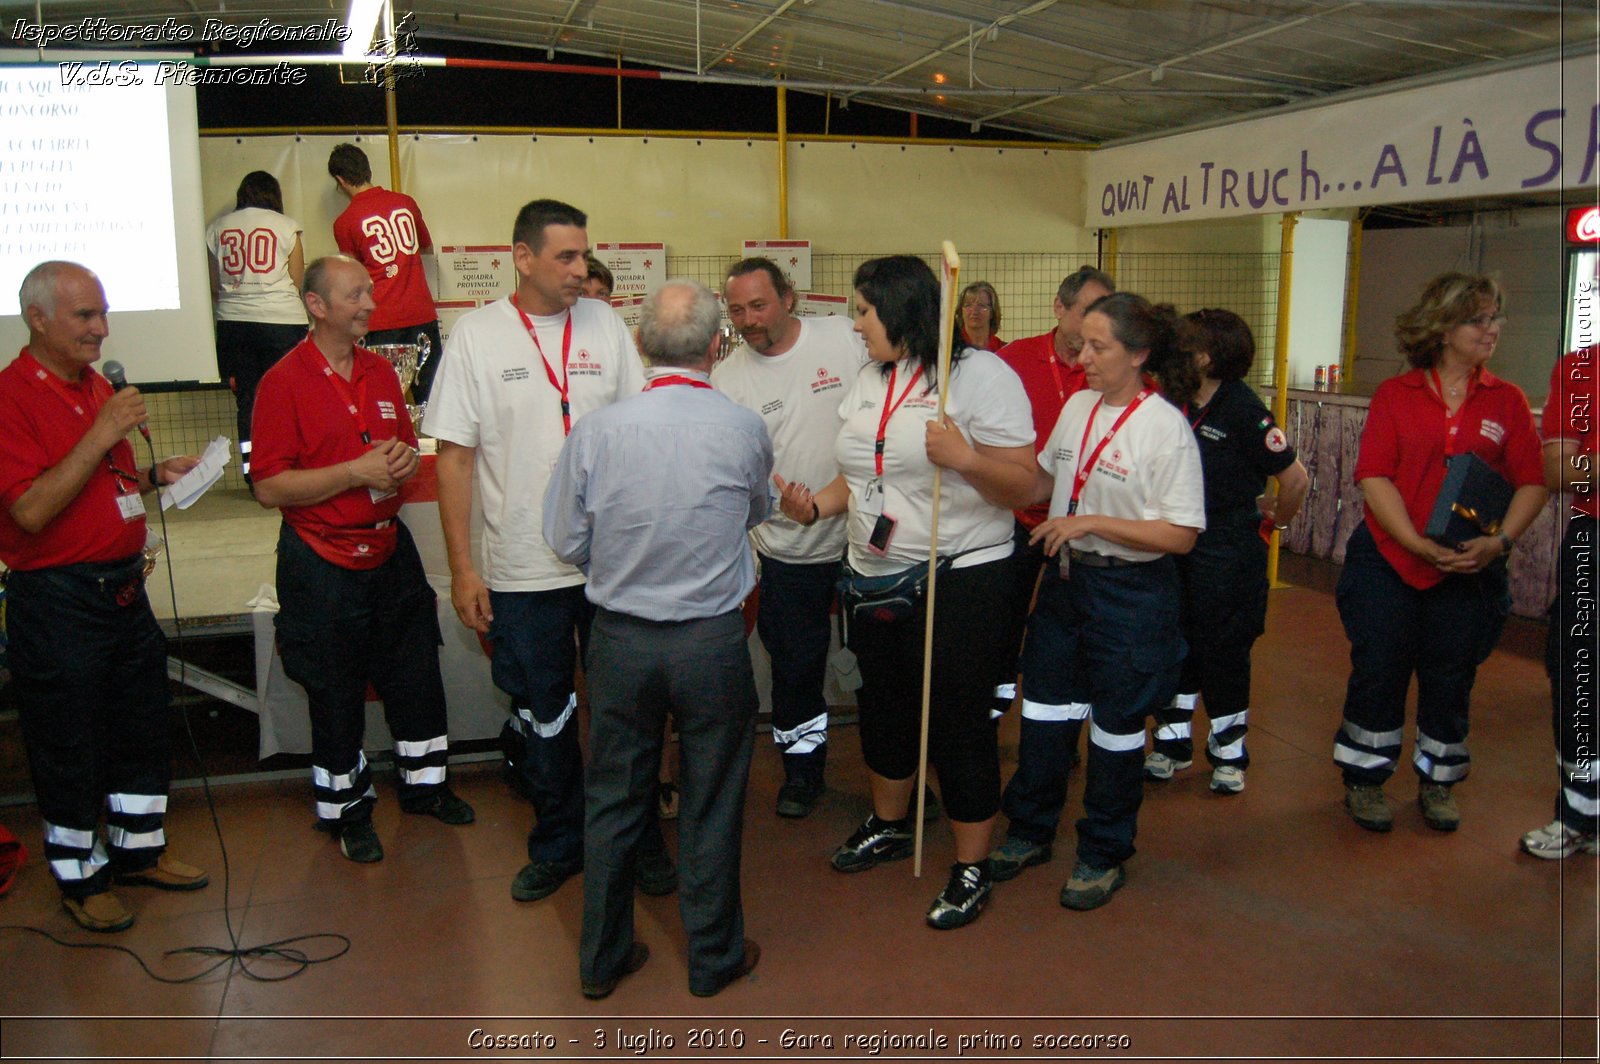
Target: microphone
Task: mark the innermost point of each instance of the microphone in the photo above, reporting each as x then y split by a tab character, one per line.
118	377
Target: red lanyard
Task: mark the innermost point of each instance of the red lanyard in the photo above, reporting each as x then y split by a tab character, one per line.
1195	424
549	370
1055	371
1452	422
667	382
1086	469
88	395
76	398
357	403
888	412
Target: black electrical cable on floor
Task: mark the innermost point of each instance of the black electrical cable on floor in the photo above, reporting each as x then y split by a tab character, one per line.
234	954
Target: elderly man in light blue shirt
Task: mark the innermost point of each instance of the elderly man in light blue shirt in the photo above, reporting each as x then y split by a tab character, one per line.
652	497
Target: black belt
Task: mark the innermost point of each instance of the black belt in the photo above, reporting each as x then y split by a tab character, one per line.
1098	561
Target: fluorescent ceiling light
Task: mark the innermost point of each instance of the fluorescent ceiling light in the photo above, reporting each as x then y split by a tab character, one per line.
363	26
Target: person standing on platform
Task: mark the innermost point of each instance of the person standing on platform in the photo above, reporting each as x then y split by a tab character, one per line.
1048	366
1410	605
257	262
1570	466
333	444
88	660
653	497
793	371
1225	577
384	231
522	372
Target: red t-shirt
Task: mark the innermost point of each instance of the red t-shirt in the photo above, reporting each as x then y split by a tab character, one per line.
384	230
303	421
42	418
1570	412
1049	385
1406	440
994	344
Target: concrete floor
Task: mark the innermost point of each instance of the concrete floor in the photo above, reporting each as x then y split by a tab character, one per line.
1262	926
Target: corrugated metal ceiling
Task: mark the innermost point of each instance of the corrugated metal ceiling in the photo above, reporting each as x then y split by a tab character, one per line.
1088	71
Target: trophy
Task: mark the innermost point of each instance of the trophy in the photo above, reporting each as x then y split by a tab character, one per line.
406	360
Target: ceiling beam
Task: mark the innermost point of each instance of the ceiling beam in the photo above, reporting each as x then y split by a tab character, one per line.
1231	42
964	40
776	13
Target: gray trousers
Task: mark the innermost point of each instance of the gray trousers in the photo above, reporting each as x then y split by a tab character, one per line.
637	671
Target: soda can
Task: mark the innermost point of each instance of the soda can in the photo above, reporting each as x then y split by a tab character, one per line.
1335	377
1319	382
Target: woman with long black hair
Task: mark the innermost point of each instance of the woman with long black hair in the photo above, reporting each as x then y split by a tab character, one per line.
887	452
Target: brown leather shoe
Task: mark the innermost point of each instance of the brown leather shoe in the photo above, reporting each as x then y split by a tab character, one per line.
747	964
634	961
168	873
103	912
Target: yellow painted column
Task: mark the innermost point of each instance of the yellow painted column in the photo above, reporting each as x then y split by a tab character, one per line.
1110	264
783	161
1352	289
1280	360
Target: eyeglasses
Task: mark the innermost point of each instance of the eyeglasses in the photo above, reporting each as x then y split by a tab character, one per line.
1484	322
971	303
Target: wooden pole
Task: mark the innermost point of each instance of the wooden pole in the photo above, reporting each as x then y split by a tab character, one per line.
950	270
1280	360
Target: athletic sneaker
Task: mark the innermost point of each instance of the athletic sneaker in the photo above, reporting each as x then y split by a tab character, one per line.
1161	767
1014	854
873	843
1227	779
1091	887
1555	840
963	897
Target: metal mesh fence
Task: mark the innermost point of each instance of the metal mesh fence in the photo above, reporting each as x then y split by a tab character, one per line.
185	422
1247	284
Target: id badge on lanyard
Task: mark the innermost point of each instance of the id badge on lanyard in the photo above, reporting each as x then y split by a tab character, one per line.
131	506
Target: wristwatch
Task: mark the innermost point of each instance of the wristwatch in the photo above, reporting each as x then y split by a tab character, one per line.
1505	541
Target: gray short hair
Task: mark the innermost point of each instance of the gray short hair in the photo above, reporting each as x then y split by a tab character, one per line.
39	287
677	323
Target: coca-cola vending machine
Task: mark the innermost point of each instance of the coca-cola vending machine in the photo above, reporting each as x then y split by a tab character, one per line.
1582	326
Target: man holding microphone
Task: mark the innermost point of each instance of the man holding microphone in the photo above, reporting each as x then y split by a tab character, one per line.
87	656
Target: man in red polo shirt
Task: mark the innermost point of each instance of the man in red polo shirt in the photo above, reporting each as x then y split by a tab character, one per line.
332	445
384	231
1048	366
88	659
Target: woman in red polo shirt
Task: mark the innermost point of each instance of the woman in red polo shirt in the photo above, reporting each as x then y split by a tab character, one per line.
978	321
1410	605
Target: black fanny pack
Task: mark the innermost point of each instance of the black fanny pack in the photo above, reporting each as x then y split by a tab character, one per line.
892	597
884	599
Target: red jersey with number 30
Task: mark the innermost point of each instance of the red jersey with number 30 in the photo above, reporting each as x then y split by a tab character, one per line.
384	230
